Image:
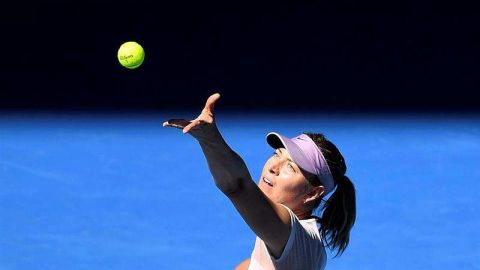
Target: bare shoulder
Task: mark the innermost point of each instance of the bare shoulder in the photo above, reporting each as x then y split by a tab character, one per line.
243	265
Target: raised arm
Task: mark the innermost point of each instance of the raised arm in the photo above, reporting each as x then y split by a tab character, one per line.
268	220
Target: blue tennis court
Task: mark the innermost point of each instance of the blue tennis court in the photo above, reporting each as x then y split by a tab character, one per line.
88	191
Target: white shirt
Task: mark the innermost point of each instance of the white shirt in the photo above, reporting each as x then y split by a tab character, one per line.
304	249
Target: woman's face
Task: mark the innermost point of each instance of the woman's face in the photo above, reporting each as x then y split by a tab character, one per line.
282	180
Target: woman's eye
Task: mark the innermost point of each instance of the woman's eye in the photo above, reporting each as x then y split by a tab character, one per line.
275	154
290	167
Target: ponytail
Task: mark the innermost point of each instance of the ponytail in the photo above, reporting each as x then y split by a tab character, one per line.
339	213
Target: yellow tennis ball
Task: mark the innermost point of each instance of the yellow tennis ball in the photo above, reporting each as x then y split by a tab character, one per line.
131	55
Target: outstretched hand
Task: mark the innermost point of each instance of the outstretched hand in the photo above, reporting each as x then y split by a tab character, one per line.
201	127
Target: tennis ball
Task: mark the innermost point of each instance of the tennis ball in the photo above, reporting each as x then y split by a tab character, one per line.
131	55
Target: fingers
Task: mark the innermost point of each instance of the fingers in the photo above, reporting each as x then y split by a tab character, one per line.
192	125
182	124
205	117
177	123
187	129
211	102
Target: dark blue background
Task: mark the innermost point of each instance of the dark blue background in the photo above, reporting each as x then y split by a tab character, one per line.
302	55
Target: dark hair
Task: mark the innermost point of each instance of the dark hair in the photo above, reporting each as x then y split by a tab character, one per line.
339	211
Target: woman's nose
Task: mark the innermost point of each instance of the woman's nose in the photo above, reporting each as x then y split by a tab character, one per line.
274	168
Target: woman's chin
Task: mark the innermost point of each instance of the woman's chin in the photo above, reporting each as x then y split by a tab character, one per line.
264	188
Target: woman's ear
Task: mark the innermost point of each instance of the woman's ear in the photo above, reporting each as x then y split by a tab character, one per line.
314	194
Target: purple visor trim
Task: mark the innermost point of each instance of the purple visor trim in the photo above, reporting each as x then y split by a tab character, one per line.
306	155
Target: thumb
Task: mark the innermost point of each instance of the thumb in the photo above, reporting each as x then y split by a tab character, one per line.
211	102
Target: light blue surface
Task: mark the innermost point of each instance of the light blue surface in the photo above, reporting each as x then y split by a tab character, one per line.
86	191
